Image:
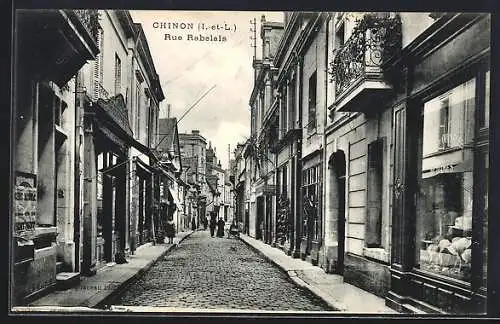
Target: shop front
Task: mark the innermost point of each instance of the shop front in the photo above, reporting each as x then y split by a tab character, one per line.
106	168
311	220
440	225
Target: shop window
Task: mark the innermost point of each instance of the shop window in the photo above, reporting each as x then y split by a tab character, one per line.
445	196
374	194
310	192
312	103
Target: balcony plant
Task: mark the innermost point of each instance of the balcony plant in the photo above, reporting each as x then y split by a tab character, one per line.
374	40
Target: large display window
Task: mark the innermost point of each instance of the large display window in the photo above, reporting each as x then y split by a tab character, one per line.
451	180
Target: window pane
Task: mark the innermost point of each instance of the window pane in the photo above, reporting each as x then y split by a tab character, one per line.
444	204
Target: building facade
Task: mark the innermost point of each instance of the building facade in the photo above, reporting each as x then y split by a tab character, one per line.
46	123
381	161
193	152
262	145
83	141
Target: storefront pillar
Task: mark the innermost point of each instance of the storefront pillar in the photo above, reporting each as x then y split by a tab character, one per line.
89	201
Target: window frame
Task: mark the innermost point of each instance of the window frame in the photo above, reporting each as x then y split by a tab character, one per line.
312	104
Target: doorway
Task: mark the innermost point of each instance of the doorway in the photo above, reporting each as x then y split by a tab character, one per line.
260	218
338	165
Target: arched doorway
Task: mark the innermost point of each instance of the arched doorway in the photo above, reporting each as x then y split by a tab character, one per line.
337	166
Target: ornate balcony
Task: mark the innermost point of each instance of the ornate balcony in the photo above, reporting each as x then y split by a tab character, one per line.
357	66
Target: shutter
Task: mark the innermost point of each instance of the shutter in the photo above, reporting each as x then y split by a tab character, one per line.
374	194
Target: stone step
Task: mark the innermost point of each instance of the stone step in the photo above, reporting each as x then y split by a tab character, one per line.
59	266
412	309
67	280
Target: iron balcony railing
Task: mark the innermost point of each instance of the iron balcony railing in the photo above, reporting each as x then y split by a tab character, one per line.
374	39
89	19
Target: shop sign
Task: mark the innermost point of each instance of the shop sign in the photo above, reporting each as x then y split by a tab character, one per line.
25	205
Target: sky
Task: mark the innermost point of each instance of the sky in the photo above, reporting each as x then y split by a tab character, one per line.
188	68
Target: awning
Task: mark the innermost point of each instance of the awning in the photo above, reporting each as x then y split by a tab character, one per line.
175	197
147	168
165	173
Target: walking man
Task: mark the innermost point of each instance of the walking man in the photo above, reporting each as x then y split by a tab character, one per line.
212	225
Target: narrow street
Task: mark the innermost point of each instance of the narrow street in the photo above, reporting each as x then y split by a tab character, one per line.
210	273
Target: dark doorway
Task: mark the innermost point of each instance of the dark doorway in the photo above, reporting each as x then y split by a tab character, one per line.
260	218
340	169
338	164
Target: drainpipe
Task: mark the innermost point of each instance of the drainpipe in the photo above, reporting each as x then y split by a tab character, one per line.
325	123
298	176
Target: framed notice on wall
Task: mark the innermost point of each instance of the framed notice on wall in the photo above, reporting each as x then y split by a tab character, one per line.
25	205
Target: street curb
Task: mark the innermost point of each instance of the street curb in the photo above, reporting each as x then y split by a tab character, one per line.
292	275
123	286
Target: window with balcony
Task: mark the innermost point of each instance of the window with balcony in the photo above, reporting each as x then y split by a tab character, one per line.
356	68
311	125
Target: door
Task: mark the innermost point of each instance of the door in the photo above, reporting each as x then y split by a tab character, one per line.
260	218
340	172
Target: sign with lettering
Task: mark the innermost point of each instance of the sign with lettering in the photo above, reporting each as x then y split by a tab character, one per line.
25	205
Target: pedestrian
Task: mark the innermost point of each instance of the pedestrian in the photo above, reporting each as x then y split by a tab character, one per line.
205	223
170	231
233	228
213	223
193	224
220	227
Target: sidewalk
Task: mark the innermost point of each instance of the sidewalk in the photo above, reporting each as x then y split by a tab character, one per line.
109	281
330	288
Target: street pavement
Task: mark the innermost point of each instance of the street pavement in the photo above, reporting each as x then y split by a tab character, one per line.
218	273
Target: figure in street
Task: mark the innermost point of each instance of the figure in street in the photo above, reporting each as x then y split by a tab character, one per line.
193	224
233	229
205	223
213	224
170	231
220	227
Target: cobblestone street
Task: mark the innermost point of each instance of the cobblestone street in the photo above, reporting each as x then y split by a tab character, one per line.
210	273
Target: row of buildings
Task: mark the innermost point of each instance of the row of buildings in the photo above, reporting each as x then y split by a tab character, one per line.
368	153
97	172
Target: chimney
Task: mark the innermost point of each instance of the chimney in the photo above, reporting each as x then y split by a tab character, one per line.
168	110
